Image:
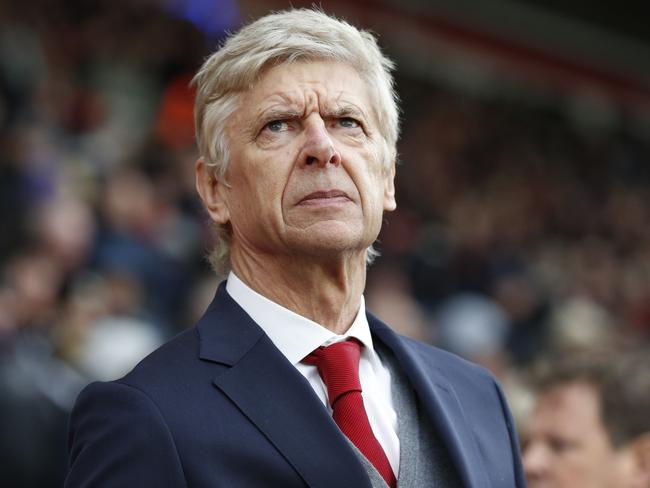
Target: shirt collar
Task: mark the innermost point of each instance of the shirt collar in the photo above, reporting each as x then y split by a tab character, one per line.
294	335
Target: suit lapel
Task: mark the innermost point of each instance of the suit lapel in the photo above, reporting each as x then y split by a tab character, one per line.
275	397
441	405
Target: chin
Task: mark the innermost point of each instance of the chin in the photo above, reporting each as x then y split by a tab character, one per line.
331	238
326	241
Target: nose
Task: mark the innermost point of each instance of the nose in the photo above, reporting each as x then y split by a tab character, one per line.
318	149
535	460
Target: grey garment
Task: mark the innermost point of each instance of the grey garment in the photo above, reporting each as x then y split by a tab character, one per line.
424	461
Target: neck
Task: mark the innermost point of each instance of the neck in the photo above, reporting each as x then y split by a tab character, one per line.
327	291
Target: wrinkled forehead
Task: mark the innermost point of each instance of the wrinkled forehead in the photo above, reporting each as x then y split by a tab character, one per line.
302	84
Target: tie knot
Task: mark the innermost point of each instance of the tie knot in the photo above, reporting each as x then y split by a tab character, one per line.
338	366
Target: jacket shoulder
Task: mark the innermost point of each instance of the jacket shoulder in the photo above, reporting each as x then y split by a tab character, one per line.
435	361
446	361
170	363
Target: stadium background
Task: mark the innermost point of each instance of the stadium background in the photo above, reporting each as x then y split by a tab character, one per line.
523	221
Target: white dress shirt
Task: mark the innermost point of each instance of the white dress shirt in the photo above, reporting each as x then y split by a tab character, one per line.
296	336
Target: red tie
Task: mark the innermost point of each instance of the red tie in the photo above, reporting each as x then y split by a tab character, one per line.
338	366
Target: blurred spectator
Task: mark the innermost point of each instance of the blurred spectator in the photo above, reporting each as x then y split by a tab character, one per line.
476	328
590	426
527	310
102	331
389	296
38	388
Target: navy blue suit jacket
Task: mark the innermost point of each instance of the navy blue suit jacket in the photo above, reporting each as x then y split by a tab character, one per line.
220	406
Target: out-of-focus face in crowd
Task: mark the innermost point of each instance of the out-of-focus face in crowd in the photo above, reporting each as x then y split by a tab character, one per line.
566	444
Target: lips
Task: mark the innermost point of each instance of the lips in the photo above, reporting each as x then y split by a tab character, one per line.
325	197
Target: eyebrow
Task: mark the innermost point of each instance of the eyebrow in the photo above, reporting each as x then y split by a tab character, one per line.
279	113
289	112
346	111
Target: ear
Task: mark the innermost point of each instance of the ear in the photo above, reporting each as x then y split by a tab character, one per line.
389	189
213	193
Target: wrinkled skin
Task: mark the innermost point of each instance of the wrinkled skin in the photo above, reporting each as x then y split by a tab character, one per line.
306	188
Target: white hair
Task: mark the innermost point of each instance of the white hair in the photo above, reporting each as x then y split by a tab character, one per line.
284	37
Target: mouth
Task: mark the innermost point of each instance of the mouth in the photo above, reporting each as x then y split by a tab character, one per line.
325	197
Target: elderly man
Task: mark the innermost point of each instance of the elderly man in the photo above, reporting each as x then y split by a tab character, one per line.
286	381
591	423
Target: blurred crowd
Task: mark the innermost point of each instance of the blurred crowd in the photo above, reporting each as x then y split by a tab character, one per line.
519	231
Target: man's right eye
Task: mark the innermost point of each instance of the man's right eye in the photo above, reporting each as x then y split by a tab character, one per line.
276	126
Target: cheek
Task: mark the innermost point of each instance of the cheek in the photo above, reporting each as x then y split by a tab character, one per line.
585	467
265	175
261	199
626	465
273	201
366	169
373	188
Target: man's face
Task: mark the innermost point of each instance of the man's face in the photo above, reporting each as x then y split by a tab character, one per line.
566	444
305	173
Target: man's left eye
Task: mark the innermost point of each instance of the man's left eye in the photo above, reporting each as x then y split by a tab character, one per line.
348	123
